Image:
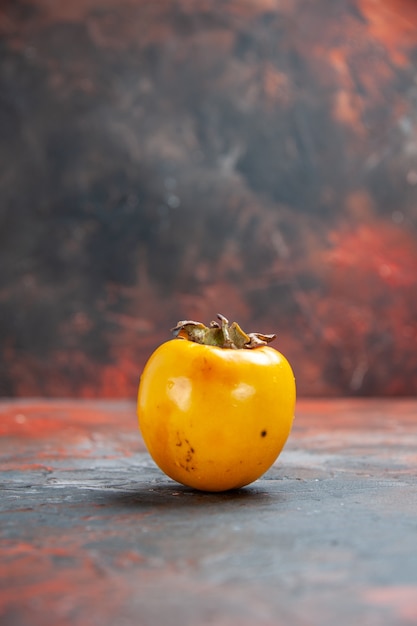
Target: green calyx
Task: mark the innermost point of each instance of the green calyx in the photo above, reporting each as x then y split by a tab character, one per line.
220	334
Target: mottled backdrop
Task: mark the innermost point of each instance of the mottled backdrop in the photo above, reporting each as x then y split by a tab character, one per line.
163	160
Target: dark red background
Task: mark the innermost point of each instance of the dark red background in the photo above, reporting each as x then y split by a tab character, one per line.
175	159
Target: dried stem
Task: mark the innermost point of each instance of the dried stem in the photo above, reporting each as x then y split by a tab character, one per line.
220	334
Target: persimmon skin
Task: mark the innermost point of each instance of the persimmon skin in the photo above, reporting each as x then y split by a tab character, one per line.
215	418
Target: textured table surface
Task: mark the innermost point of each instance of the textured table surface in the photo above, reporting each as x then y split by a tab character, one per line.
91	532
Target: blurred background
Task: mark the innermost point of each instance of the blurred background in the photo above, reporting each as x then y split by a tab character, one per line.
174	159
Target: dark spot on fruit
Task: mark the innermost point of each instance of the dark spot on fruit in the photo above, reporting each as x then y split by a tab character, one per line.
189	453
263	433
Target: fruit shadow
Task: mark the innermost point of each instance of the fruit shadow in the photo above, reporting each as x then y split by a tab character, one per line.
167	495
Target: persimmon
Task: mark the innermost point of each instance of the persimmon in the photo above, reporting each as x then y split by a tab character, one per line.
216	405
